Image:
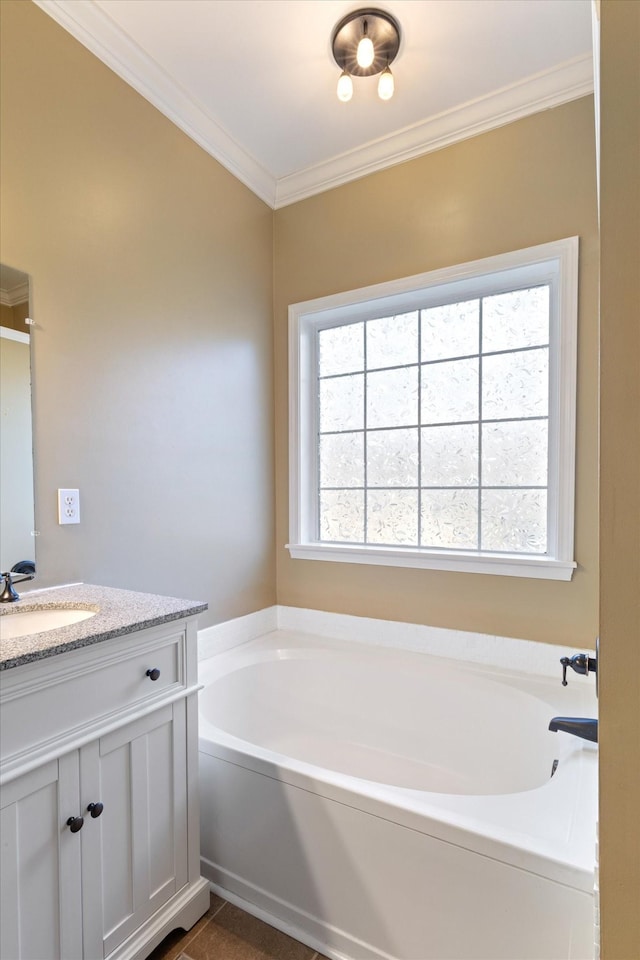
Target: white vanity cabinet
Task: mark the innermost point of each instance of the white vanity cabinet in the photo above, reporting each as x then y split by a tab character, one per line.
106	733
40	880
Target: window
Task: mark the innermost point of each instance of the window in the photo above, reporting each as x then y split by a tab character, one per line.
432	419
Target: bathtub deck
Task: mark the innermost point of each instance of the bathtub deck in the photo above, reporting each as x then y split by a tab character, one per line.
228	933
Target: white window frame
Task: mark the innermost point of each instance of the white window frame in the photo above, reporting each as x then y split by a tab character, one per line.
554	263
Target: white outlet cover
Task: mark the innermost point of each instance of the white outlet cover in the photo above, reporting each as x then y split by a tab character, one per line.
68	505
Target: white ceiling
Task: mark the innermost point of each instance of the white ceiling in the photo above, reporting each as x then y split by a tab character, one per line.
253	81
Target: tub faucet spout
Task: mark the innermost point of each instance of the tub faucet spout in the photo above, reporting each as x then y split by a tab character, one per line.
584	727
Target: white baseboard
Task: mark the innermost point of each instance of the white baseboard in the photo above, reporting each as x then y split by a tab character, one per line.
541	659
312	931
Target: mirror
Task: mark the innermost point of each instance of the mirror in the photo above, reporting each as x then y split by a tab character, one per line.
17	543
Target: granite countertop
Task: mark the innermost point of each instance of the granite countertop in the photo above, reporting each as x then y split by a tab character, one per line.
117	612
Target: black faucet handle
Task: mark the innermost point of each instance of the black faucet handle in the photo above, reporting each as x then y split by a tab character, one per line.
20	577
580	663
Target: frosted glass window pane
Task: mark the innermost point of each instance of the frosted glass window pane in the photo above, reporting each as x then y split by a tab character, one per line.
450	331
515	453
514	520
450	391
450	456
392	398
392	341
341	349
342	403
392	517
392	458
342	460
450	519
342	515
515	385
518	319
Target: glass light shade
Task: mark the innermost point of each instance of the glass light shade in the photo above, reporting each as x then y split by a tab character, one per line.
386	85
345	87
365	53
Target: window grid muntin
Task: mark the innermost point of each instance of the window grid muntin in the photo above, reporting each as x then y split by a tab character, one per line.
480	385
432	363
365	451
479	422
435	486
448	423
419	518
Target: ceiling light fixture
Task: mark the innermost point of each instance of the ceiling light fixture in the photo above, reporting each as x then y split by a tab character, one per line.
345	87
364	44
365	54
386	84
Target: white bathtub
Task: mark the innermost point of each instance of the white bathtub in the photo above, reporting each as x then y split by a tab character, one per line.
382	804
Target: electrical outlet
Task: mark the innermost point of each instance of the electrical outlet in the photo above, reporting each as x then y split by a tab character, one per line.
68	506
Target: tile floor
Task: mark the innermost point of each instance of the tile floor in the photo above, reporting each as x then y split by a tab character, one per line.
226	932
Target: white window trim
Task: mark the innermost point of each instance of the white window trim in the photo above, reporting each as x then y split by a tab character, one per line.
556	263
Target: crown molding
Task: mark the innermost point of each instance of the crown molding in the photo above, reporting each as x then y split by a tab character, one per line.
19	294
568	81
85	21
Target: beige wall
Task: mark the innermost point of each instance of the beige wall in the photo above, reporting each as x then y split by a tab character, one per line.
620	481
152	294
14	317
527	183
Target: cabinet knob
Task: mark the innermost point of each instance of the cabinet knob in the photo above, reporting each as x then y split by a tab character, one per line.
95	809
153	674
75	824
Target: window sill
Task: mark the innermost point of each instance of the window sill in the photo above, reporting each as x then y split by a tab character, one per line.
503	565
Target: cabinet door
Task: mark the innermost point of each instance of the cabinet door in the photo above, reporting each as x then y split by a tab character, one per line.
134	855
40	864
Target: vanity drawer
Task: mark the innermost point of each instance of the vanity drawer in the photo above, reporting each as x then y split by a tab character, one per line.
91	686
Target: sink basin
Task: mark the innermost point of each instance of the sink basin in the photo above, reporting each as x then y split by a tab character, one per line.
27	622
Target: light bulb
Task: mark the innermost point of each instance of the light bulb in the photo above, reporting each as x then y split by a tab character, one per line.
386	85
345	87
365	53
